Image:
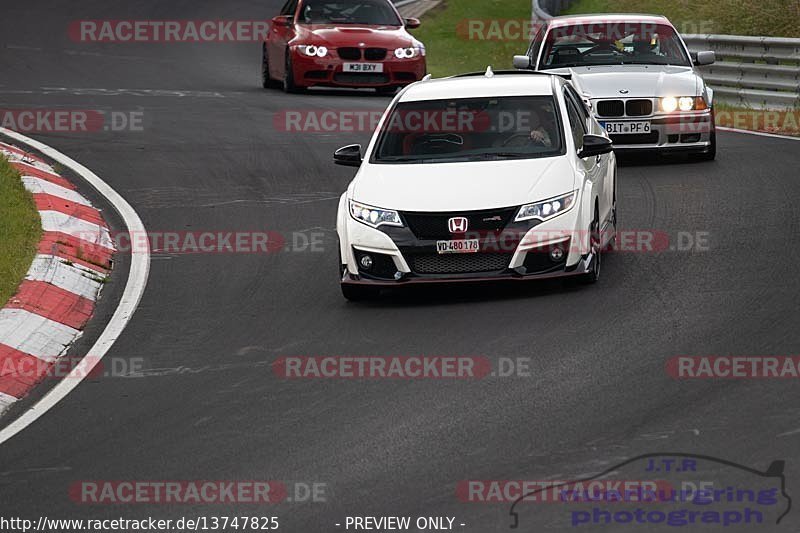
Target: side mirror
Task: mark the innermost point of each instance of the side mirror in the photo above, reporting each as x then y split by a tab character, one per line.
594	145
412	23
705	58
348	156
522	62
284	21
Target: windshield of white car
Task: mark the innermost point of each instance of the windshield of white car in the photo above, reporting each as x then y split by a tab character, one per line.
364	12
473	129
584	45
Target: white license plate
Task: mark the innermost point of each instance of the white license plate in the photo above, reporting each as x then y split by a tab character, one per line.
468	246
363	67
627	128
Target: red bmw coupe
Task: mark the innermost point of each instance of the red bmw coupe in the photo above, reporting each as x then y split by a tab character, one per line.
341	43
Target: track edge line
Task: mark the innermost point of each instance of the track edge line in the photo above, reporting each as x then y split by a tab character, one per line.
129	302
759	133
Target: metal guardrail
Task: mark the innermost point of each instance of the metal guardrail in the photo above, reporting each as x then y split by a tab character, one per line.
758	72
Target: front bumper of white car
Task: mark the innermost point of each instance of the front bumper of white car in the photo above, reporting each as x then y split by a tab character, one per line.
509	250
666	132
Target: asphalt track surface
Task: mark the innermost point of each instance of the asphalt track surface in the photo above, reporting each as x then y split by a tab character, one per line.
208	405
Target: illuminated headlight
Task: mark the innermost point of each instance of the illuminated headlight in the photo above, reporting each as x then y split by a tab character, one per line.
546	209
313	51
684	103
374	216
669	104
410	52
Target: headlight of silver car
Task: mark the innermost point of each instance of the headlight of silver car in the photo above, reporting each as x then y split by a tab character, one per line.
670	104
374	216
547	208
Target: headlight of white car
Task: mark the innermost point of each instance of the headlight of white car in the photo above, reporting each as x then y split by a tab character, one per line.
547	209
374	216
670	104
313	51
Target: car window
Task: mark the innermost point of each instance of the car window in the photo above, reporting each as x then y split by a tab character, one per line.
536	45
369	12
627	43
289	8
576	122
573	94
471	129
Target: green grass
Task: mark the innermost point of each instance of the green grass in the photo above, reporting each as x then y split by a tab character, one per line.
775	18
20	230
450	51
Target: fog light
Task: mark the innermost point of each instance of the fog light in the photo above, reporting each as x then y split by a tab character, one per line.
366	262
557	253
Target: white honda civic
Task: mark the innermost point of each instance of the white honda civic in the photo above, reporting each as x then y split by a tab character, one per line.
489	176
637	74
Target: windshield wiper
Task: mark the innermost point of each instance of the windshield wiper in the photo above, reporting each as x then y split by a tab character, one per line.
401	159
510	155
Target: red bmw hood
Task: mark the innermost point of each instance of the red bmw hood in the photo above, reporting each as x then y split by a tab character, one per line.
334	36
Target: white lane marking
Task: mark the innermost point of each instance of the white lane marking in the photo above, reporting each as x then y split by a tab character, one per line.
790	433
132	295
82	229
760	134
39	186
5	401
73	278
36	470
95	91
34	334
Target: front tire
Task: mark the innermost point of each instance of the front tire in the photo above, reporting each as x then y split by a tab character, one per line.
594	246
266	81
712	150
613	240
289	85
